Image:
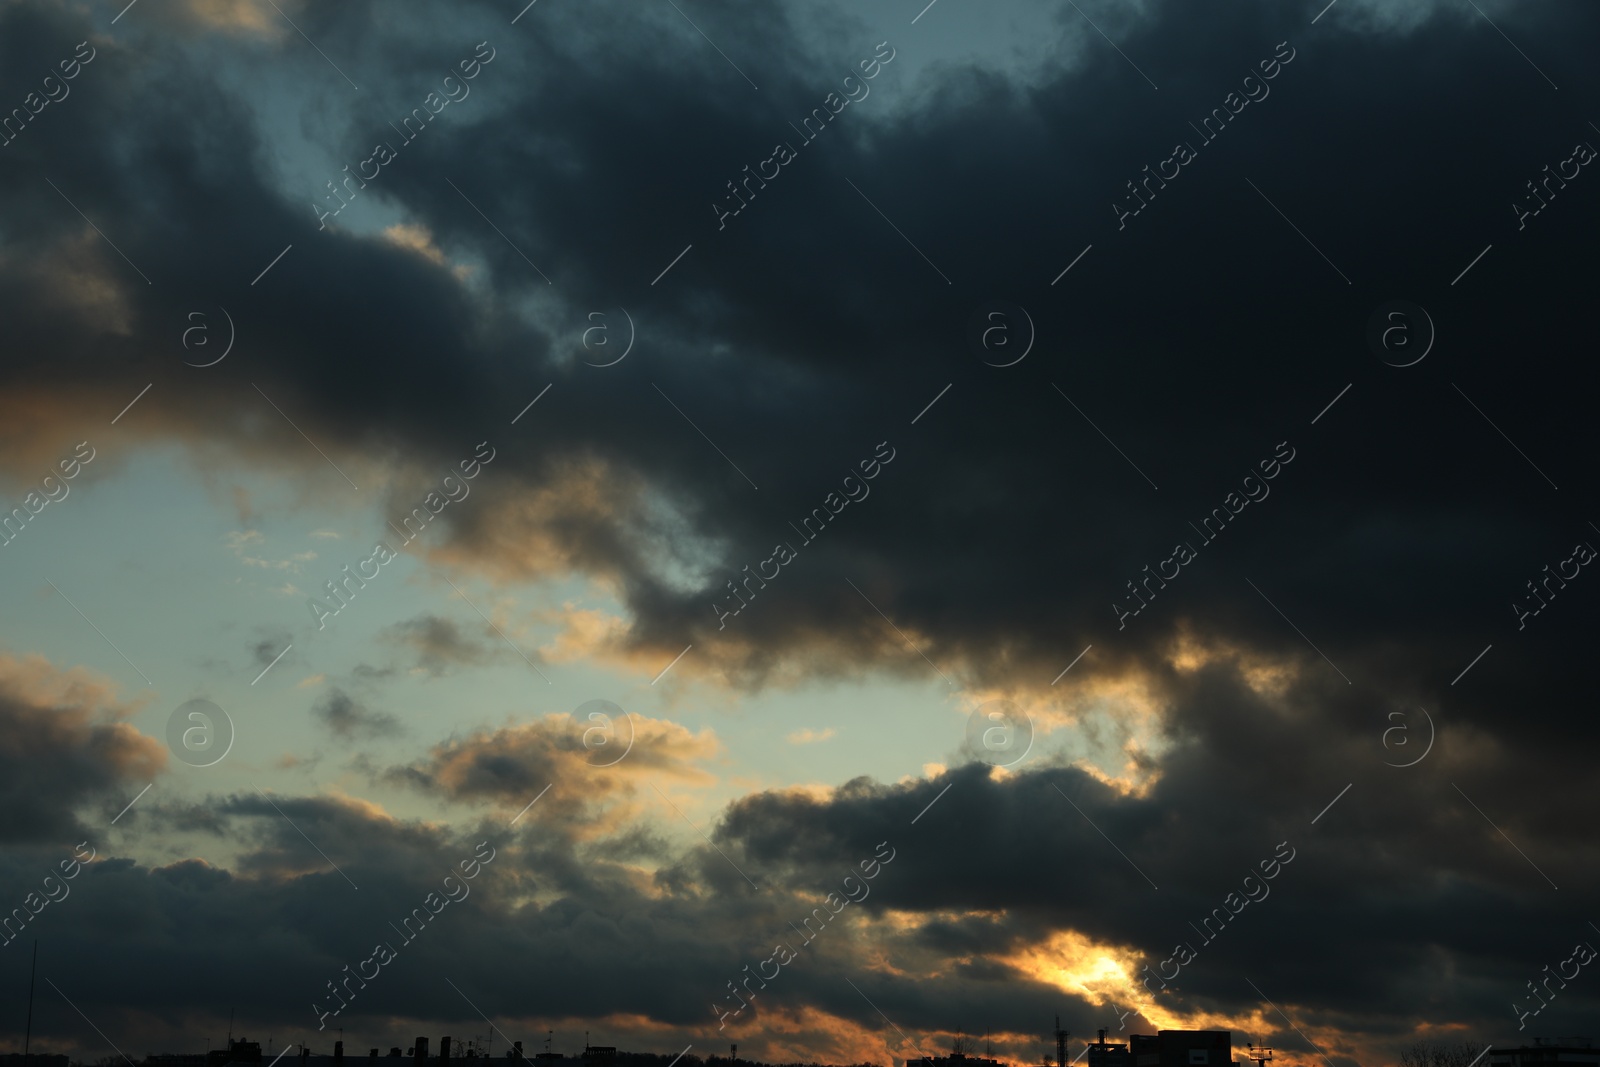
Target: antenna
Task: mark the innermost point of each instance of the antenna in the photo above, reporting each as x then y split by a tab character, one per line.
1260	1053
28	1033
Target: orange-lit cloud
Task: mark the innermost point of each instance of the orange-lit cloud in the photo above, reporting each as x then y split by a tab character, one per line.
1111	975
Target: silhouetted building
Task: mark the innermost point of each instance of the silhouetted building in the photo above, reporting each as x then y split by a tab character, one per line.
1103	1053
35	1059
958	1057
1183	1048
240	1051
163	1059
1547	1052
1165	1048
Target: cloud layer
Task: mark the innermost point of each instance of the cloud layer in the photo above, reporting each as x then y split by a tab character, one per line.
1020	522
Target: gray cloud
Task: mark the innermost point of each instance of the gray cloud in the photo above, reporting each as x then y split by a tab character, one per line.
348	718
439	644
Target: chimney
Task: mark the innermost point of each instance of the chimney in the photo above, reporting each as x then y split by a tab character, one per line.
517	1051
444	1051
371	1056
305	1054
421	1055
338	1054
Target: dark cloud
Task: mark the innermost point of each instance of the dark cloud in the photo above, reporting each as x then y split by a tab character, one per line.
63	749
868	317
319	880
1401	867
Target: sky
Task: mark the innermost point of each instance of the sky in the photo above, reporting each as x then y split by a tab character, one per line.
814	525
